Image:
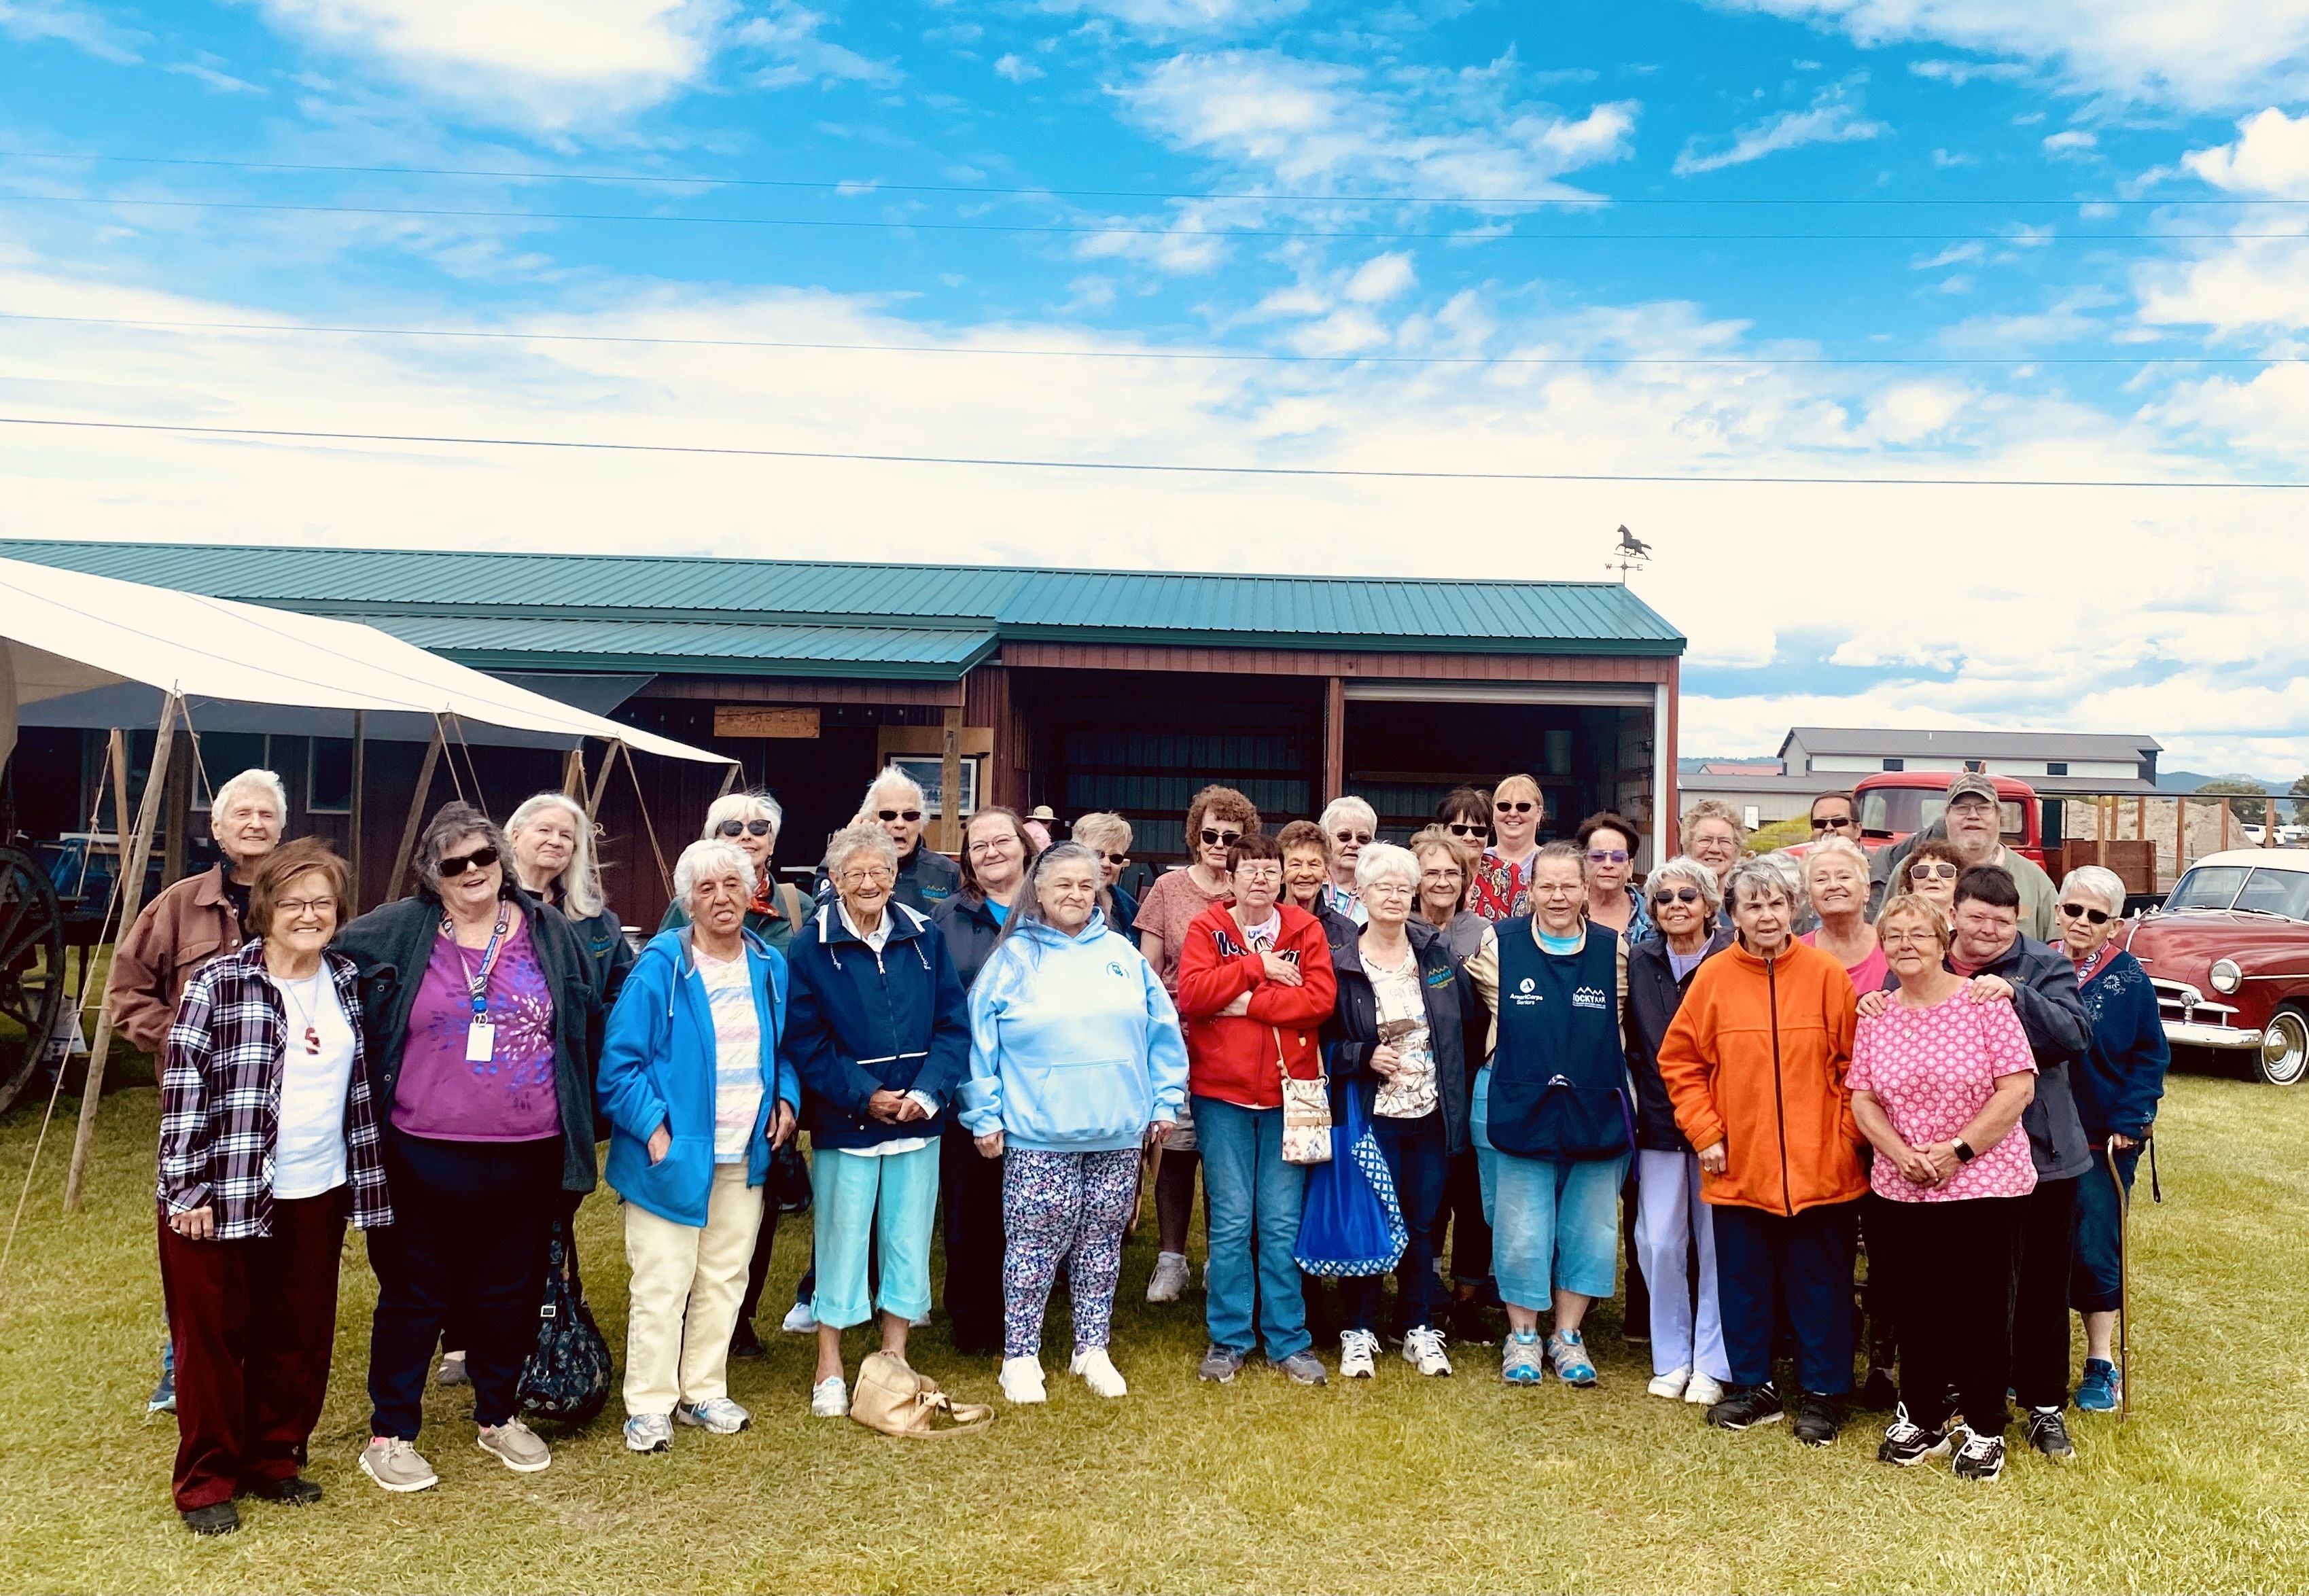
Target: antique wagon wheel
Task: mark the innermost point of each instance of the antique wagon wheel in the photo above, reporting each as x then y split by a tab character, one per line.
32	967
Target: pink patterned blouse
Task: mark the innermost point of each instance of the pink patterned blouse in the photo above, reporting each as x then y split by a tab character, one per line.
1931	1070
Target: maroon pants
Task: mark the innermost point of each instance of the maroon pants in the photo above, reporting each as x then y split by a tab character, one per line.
253	1323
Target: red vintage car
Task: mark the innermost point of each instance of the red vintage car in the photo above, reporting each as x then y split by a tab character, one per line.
2228	953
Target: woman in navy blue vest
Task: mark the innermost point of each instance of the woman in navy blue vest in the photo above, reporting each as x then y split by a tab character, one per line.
1552	1115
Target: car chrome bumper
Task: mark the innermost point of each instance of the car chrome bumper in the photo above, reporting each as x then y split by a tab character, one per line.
2186	1034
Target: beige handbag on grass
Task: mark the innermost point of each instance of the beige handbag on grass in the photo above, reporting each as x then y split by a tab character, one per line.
893	1398
1306	1113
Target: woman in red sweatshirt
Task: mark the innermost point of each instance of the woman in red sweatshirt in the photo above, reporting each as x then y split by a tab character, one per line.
1255	980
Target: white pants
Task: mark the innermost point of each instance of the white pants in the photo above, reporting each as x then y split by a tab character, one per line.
1670	1217
686	1284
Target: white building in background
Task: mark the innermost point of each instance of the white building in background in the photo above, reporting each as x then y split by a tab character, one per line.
1833	757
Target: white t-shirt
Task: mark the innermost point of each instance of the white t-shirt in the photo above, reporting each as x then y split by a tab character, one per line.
309	1157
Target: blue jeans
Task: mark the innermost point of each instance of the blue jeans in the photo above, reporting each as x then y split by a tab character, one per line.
1770	1266
1416	1161
883	1203
2097	1279
1249	1190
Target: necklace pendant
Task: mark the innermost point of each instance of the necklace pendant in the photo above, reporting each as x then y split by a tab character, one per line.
312	1040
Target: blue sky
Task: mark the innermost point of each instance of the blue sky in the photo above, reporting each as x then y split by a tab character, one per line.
1771	237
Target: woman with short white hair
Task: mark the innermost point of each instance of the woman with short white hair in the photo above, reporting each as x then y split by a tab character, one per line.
697	1098
1396	1040
1350	824
752	821
1836	882
553	851
895	803
2117	1085
1712	834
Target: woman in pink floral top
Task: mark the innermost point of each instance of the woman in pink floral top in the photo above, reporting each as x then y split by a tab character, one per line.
1939	1080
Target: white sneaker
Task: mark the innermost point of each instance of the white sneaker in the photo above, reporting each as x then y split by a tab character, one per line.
800	1320
829	1399
1357	1348
1422	1349
1170	1277
1022	1380
717	1416
649	1432
1673	1383
1098	1372
1703	1392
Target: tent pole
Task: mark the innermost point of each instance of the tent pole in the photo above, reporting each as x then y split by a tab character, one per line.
176	820
602	783
133	863
573	773
731	774
360	769
641	805
416	813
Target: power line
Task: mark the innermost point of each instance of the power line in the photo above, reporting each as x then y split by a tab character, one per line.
862	185
1159	468
1243	356
1072	229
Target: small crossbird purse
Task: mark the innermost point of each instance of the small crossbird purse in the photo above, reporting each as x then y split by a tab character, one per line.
1306	1112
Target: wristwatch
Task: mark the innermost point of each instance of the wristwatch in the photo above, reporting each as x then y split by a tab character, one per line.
1964	1152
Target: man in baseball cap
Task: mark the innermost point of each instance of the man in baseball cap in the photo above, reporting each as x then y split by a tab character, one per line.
1974	820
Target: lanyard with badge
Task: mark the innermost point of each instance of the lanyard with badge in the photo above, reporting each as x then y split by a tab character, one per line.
482	1033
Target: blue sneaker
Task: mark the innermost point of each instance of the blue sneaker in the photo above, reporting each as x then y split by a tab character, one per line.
163	1398
1569	1352
2098	1391
1520	1358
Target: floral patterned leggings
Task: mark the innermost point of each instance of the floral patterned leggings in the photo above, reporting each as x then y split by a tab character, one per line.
1056	1205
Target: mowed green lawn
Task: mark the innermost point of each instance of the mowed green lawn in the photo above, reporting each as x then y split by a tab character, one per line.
1398	1484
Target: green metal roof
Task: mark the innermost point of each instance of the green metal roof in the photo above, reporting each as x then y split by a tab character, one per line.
807	618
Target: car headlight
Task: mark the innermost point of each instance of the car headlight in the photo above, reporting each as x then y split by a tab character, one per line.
2226	976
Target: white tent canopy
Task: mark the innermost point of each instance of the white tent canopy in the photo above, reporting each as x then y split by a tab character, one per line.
67	632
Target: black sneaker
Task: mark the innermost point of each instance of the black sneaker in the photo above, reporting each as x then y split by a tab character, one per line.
2048	1433
1473	1324
743	1341
217	1518
1979	1457
1818	1418
1907	1445
296	1491
1880	1392
1747	1407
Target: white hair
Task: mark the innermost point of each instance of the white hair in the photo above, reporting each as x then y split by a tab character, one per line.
892	779
1691	872
1348	808
1750	878
580	880
1379	859
853	839
706	860
2098	880
221	799
749	805
1827	848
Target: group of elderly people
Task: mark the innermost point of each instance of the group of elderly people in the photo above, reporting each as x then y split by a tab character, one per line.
1527	1031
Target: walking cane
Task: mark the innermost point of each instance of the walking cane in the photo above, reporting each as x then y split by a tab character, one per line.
2123	1288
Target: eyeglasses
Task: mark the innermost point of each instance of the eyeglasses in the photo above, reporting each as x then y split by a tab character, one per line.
1921	936
1676	894
1442	877
1833	822
1607	855
1116	859
1252	874
752	828
2078	911
1931	868
1356	838
1215	838
303	906
908	815
1458	830
1390	888
481	858
991	845
866	875
1519	806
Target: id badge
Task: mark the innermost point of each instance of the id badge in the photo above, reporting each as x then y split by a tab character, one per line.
481	1042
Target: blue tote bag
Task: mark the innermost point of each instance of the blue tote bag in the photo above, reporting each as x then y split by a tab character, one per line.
1351	1223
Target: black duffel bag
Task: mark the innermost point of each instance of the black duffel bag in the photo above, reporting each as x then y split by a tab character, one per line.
566	1377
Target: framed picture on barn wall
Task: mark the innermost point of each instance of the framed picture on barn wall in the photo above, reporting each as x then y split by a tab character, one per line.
927	770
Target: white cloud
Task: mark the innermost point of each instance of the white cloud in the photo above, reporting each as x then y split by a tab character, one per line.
2270	156
1330	125
1017	68
2202	54
788	33
1382	278
2069	141
28	20
2247	284
541	63
1164	17
1960	72
1830	119
223	82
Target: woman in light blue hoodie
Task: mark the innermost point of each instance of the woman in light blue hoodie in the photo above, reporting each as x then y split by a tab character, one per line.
1076	1063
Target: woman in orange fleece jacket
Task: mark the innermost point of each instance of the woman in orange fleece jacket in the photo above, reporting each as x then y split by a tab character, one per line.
1754	1063
1254	984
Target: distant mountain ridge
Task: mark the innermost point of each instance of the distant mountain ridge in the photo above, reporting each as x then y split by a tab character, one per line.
2191	780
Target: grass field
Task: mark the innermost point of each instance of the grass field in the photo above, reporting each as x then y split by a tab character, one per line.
1399	1484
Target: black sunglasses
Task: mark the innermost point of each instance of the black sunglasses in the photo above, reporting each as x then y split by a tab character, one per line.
731	828
1676	894
908	815
1458	830
1834	823
1116	859
1217	839
1357	837
2098	917
481	858
1516	807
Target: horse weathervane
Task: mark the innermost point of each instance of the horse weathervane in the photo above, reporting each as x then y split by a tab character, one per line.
1631	553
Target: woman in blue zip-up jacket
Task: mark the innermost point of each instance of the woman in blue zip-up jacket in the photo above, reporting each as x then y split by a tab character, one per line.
697	1096
1076	1063
881	1038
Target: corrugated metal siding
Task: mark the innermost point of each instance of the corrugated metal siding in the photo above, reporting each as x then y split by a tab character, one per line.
1518	617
